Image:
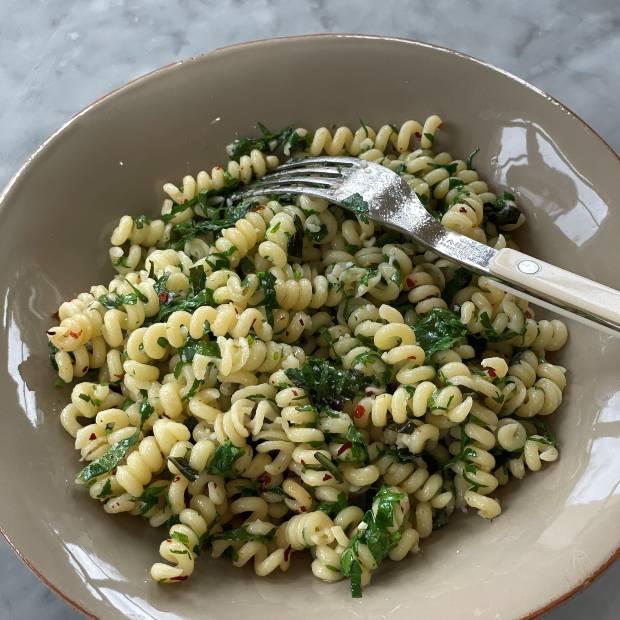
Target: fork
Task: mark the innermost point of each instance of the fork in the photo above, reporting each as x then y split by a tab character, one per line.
376	192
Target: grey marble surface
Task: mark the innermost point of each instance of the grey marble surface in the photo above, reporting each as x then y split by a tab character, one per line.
58	56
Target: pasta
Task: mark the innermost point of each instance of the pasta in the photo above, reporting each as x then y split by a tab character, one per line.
272	377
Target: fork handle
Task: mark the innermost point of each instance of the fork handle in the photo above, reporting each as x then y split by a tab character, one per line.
557	289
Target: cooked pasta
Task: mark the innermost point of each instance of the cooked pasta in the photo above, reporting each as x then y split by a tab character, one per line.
273	377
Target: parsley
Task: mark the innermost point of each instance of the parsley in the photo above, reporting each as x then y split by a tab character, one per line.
150	497
376	536
267	283
492	336
242	533
209	348
402	455
180	537
140	221
430	137
547	435
221	258
267	142
296	241
451	168
358	205
185	469
453	182
461	278
170	302
222	460
369	275
327	385
333	508
470	158
117	452
112	300
503	211
106	491
439	330
327	464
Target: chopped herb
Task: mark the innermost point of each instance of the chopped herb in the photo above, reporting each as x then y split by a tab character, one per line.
492	336
242	533
333	508
106	463
430	137
364	127
267	142
267	282
376	536
112	300
139	294
454	182
150	497
327	385
358	205
451	168
222	259
460	279
106	491
469	162
140	221
439	330
186	470
296	241
369	275
503	211
329	465
547	435
162	342
180	537
197	278
208	348
223	459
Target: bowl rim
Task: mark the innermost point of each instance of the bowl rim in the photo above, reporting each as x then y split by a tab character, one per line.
201	57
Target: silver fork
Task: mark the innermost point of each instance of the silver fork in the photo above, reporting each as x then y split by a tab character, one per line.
383	196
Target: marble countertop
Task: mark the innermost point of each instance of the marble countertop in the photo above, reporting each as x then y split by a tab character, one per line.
59	56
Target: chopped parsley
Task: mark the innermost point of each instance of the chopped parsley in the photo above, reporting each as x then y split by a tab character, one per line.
439	330
358	205
223	459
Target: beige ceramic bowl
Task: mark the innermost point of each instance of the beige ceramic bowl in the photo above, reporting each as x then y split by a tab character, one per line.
559	527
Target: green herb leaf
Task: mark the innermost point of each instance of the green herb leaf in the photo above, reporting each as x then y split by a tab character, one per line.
461	278
242	534
208	348
327	385
112	300
492	336
106	463
504	211
186	470
267	283
333	508
470	158
329	465
150	497
439	330
106	491
267	142
451	168
223	459
358	205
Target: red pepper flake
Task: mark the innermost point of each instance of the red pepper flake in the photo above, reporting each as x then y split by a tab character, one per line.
114	472
264	480
418	135
287	553
75	334
344	447
412	357
302	509
92	436
301	321
491	372
462	210
179	578
410	282
163	297
119	376
528	314
295	392
302	461
326	477
359	411
176	479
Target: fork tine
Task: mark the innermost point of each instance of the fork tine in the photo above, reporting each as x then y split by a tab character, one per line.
322	161
256	192
323	170
297	179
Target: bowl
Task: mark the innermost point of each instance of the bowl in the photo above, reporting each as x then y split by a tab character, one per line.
559	528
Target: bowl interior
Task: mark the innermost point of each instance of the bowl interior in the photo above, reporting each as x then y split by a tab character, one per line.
557	527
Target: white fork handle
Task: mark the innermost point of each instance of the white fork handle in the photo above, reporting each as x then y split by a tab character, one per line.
557	289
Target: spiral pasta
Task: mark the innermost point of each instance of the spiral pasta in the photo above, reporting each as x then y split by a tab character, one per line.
271	377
